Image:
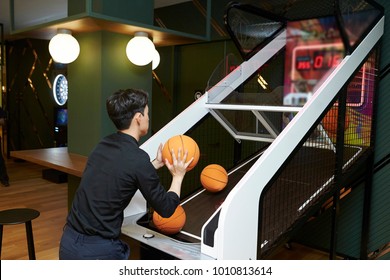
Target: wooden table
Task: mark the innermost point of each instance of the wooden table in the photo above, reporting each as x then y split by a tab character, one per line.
56	158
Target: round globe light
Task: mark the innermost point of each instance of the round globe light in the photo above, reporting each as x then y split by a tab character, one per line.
156	59
140	49
63	47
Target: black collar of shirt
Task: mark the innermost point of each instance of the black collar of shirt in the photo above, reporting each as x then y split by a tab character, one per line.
127	137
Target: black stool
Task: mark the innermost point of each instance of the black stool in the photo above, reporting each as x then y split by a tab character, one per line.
19	216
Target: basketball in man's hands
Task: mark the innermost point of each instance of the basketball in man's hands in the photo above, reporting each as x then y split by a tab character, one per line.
184	142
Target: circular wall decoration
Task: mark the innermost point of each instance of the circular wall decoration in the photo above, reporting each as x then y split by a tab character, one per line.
60	89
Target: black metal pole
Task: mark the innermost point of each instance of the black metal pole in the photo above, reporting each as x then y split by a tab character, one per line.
339	169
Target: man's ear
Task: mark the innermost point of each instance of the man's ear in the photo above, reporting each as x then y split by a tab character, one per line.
138	117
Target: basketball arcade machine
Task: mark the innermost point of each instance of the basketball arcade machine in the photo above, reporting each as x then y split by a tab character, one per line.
306	161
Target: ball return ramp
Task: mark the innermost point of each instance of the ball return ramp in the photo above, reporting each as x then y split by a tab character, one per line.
306	158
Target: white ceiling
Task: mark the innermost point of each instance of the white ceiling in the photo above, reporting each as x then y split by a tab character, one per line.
31	12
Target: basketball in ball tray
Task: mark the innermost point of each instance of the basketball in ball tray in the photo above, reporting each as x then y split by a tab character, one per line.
214	178
185	143
171	225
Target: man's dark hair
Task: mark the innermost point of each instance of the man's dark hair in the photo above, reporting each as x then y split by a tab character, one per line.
124	104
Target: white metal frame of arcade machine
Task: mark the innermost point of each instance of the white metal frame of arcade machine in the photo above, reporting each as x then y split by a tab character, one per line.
236	236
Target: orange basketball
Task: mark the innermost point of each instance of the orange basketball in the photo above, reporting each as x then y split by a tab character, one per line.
214	177
171	225
185	143
329	122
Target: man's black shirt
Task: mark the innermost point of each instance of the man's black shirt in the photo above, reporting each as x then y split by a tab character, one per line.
115	170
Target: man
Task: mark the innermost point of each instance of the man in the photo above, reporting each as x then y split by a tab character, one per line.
115	170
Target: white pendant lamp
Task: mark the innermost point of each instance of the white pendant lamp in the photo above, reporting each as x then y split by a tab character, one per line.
63	47
140	49
156	59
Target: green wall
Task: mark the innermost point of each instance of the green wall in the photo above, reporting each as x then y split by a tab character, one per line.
135	10
140	11
101	69
379	230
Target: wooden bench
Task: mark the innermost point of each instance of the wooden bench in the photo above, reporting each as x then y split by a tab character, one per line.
56	158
